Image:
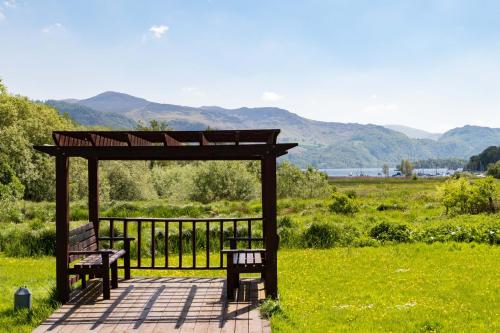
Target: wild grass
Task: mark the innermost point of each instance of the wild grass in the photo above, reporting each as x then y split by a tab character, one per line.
437	287
38	274
402	288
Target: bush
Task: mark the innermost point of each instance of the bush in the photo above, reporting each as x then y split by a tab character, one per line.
25	240
129	181
343	204
321	235
494	170
270	307
295	183
391	232
383	206
464	196
217	180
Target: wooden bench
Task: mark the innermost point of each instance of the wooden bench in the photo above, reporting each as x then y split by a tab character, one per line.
242	261
94	262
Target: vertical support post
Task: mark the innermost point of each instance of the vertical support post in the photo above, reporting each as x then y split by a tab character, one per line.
268	178
62	228
93	173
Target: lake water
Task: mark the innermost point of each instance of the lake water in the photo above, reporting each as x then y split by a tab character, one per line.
377	172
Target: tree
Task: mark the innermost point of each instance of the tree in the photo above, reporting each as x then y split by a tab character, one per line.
385	170
154	125
406	168
494	170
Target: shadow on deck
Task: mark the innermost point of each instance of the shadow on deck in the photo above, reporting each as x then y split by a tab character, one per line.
162	305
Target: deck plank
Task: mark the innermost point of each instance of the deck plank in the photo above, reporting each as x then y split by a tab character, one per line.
162	305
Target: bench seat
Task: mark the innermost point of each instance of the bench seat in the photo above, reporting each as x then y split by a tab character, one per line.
95	260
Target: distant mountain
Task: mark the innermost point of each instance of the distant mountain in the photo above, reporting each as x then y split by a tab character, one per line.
90	117
414	133
323	144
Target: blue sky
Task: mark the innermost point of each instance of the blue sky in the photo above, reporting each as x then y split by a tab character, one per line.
428	64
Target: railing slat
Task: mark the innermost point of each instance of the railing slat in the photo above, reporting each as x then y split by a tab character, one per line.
249	234
180	244
196	266
153	249
194	243
207	242
139	233
221	243
111	233
166	244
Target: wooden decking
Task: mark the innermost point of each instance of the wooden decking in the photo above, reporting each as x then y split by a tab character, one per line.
162	305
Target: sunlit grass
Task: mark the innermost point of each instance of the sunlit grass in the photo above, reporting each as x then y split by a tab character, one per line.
403	288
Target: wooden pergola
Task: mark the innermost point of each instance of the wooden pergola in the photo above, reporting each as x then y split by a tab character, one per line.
164	145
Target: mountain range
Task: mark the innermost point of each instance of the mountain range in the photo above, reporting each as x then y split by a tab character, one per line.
322	144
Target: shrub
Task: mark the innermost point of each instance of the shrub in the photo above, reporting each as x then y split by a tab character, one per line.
270	307
391	232
343	204
129	181
216	180
494	170
295	183
383	206
464	196
321	235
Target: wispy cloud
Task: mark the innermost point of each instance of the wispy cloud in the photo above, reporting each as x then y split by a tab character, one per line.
270	96
2	16
10	3
52	27
158	30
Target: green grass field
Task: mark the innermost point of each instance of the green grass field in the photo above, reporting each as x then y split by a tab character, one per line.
402	288
429	284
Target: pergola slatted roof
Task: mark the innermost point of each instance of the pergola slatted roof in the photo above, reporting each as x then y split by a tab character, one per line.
167	145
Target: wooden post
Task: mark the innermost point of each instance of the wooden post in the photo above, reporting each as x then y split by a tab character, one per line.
268	177
93	173
62	228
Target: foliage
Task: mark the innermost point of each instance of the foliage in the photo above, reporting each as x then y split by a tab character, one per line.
214	180
486	157
494	170
343	203
154	125
23	124
11	190
321	235
385	170
295	183
129	181
432	163
466	196
406	168
391	232
270	308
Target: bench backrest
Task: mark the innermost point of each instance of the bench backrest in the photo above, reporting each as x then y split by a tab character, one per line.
82	238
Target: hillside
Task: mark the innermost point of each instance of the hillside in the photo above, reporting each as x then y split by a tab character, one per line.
414	133
323	144
90	117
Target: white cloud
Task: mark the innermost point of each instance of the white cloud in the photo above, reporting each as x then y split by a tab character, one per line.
52	27
270	96
158	30
10	3
2	16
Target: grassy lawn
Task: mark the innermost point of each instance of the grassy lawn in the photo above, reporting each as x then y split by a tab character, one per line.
38	274
402	288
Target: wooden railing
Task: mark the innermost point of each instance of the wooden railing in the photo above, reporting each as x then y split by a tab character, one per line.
160	230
